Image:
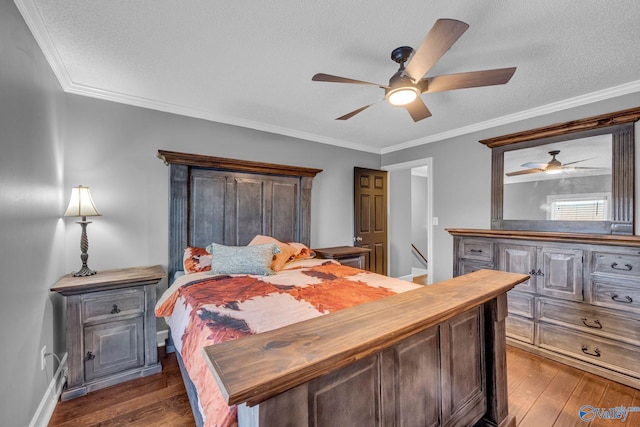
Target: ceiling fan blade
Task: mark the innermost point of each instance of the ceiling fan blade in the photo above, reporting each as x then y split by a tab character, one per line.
443	34
582	168
578	161
498	76
535	165
354	112
321	77
524	172
418	110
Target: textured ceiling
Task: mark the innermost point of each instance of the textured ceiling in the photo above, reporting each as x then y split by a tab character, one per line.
250	63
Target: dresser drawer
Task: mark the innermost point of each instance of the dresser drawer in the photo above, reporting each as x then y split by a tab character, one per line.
466	266
615	295
109	305
595	320
519	328
627	265
604	352
520	303
476	249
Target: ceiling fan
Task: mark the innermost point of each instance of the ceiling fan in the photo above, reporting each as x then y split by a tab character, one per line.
408	83
554	166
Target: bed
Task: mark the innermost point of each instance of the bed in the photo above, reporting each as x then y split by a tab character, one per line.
313	342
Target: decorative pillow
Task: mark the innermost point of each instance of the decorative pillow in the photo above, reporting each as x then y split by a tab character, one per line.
302	251
279	260
242	259
196	260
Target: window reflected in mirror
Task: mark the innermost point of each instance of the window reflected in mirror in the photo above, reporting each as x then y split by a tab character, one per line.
563	181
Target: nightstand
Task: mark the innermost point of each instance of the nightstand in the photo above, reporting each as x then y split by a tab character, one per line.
346	255
111	327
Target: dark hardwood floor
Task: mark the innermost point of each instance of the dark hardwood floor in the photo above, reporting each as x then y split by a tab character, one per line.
542	393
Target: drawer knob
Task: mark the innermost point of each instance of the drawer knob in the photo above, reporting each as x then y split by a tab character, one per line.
627	267
627	299
115	309
585	350
89	356
595	324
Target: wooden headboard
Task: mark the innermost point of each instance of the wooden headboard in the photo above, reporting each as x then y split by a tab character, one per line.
227	201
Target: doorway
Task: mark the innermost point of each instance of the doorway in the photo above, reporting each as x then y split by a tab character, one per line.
411	220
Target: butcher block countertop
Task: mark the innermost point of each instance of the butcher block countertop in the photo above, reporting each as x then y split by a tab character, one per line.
257	367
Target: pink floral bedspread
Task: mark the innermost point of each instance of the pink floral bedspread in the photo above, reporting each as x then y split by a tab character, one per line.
202	309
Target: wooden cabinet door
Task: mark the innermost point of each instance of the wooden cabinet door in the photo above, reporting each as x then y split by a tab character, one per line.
519	259
113	347
560	273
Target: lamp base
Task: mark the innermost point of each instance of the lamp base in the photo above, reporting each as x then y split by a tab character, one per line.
84	271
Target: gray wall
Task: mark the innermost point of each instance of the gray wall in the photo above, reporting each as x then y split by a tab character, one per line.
399	223
419	226
112	148
461	176
31	203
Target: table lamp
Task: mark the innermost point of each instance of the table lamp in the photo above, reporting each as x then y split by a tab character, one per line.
81	204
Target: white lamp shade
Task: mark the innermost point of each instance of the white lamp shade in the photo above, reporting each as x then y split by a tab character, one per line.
81	203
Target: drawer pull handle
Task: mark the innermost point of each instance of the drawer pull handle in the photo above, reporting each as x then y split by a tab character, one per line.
532	272
115	309
89	356
595	324
627	299
479	251
627	267
539	273
585	350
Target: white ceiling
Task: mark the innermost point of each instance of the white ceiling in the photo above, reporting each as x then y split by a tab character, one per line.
250	63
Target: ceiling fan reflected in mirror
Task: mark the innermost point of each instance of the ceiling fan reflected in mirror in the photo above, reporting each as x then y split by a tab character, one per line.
553	167
409	82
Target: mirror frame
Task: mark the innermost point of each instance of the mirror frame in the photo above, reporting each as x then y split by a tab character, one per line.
620	125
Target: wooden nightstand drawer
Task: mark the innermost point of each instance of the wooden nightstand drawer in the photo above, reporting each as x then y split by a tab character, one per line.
346	255
108	305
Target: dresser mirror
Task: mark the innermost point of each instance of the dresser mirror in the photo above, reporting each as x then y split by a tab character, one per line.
575	177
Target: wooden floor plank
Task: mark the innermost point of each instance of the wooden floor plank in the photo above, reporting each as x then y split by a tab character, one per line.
156	400
589	390
615	395
540	373
550	403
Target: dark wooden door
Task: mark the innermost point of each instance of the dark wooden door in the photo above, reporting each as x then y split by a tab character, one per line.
370	216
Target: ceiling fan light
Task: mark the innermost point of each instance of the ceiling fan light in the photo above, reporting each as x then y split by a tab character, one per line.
553	171
402	96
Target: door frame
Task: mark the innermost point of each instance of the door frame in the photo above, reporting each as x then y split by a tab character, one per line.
428	162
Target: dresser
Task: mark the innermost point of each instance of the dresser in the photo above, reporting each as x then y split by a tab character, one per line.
581	305
110	327
352	256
